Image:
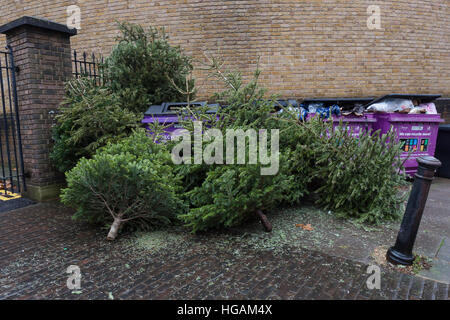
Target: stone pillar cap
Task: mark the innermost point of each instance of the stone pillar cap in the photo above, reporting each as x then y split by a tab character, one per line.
39	23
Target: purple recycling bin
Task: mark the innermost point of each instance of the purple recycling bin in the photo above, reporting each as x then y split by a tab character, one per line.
417	132
358	124
167	114
170	122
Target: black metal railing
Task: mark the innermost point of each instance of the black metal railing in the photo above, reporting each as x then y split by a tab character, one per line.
12	177
88	66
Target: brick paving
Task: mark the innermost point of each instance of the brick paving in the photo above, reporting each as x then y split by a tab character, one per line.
39	242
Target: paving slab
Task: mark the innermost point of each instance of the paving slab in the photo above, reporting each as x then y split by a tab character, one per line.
440	271
433	236
39	242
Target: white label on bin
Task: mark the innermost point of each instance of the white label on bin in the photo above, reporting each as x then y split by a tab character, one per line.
417	128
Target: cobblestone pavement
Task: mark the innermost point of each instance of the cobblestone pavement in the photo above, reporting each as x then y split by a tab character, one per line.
39	242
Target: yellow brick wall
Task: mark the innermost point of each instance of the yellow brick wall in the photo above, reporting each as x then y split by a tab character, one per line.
308	48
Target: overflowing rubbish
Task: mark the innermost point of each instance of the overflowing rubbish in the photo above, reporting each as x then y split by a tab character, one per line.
430	108
291	105
338	107
392	105
349	111
303	114
314	107
417	110
324	113
335	110
403	103
358	110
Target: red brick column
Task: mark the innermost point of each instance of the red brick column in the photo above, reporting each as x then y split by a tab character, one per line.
42	53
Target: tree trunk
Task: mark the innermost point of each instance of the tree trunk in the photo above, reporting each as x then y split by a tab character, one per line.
114	229
265	222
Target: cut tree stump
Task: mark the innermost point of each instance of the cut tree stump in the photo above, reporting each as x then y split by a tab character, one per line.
265	222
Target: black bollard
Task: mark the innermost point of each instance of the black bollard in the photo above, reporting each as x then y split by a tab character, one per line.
401	253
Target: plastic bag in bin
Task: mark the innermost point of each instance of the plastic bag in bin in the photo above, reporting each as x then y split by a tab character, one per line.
303	114
323	112
429	107
392	105
418	110
312	107
336	110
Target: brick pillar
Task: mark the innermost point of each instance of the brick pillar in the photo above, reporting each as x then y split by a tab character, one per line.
42	53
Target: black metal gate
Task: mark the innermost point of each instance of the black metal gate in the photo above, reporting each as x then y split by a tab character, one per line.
12	178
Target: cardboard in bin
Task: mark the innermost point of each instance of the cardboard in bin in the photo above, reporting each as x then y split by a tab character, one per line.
167	114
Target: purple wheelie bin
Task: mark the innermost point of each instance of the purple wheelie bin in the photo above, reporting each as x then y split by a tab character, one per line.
416	132
167	114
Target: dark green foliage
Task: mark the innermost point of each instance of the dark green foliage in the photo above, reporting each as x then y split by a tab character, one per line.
360	177
230	194
141	146
131	181
144	68
136	178
355	178
227	195
89	118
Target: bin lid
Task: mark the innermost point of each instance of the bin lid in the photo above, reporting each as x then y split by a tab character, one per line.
444	127
344	101
154	110
171	108
424	98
